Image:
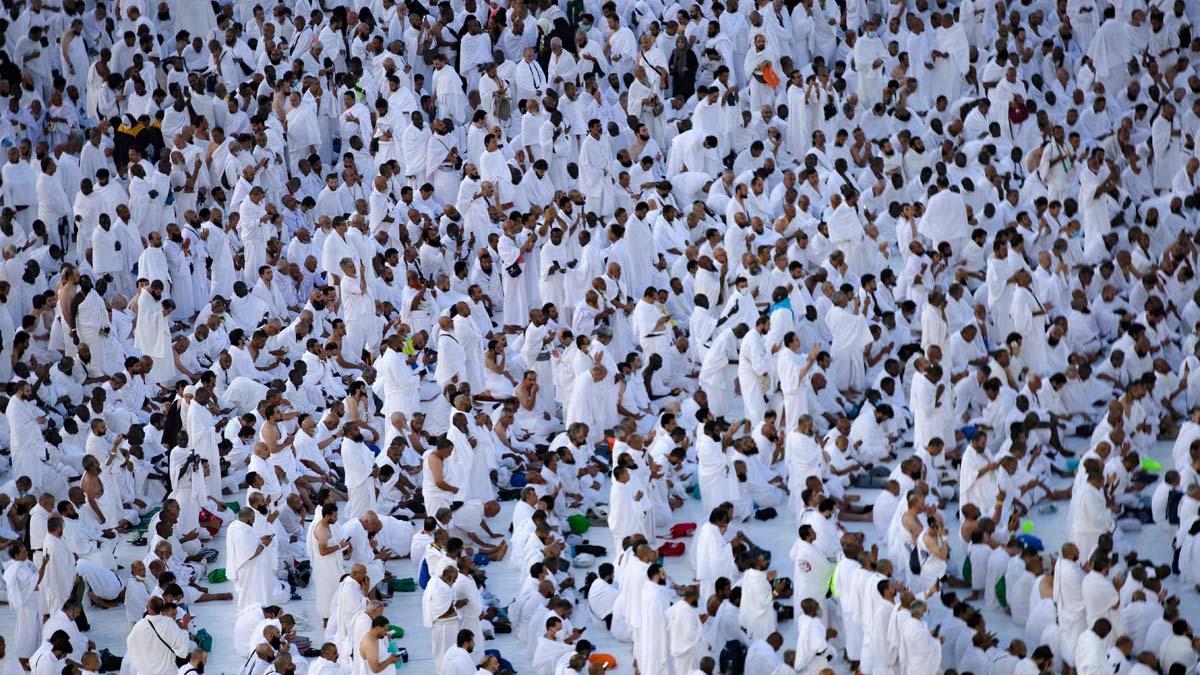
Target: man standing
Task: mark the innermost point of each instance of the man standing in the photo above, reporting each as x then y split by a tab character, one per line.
359	462
56	579
21	578
368	652
152	333
651	639
754	371
440	613
595	181
325	545
627	511
683	630
155	641
249	562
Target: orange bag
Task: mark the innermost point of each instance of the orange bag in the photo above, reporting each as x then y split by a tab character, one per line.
608	660
770	78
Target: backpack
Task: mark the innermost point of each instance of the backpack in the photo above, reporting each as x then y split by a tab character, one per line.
423	576
733	658
504	663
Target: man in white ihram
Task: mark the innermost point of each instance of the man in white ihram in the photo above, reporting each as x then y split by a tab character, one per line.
156	641
251	562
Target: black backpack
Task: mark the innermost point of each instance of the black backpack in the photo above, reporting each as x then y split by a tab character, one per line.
733	658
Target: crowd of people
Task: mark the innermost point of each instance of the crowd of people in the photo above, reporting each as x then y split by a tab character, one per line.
360	298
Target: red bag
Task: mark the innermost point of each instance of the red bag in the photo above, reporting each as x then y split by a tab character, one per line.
210	521
679	530
671	549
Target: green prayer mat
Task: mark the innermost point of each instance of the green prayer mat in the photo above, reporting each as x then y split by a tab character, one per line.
405	585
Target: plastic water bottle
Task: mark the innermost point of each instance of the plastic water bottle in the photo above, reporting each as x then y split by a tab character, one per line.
394	649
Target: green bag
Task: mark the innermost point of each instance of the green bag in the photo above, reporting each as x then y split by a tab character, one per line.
1151	465
405	585
579	524
1001	592
217	576
395	631
233	506
966	570
203	640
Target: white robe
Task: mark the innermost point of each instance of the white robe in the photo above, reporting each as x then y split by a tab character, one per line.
920	651
757	613
147	645
359	463
327	569
626	515
651	640
850	336
20	579
714	558
152	335
1068	598
683	629
457	661
1090	518
59	578
253	575
436	601
811	644
1090	655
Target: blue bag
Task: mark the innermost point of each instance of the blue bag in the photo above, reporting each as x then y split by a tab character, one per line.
1031	541
504	663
